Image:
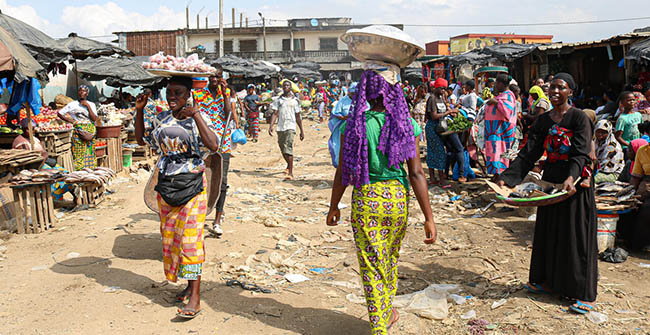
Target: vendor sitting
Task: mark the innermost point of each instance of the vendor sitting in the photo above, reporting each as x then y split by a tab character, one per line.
22	142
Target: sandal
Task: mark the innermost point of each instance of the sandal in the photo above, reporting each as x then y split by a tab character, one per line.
187	313
536	289
581	307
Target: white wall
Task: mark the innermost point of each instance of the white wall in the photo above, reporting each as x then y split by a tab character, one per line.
273	40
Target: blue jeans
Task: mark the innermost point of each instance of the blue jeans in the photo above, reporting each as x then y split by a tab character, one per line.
456	153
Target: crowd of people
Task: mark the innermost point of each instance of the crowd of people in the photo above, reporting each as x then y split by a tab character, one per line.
377	126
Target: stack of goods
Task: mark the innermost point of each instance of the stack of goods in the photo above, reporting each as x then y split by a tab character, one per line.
19	157
266	97
533	190
100	144
36	177
616	196
3	117
190	64
62	100
48	121
100	175
7	130
110	115
458	124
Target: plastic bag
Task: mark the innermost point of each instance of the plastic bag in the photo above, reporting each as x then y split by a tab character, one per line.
239	137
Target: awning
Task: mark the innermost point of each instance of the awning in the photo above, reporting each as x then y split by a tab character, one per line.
116	71
639	52
42	47
83	48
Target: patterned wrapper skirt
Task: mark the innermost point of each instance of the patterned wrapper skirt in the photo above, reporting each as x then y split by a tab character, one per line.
83	152
182	237
379	216
436	154
254	126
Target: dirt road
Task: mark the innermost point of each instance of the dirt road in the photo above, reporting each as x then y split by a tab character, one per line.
99	271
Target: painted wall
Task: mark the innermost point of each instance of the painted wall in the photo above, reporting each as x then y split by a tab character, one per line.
460	45
273	40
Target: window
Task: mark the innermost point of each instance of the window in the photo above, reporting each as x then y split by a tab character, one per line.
329	44
227	46
298	44
248	46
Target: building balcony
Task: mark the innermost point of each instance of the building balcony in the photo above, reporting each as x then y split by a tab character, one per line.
287	57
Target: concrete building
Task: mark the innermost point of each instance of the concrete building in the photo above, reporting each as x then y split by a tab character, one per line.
315	40
466	42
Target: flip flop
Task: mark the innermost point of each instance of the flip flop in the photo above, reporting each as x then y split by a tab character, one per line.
536	289
181	313
581	307
394	311
288	178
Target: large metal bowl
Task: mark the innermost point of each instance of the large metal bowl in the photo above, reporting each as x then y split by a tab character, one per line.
382	43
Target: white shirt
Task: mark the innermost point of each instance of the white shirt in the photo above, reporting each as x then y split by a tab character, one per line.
287	108
77	112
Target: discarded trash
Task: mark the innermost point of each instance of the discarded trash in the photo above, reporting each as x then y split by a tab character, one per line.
355	299
59	215
112	289
430	303
614	255
455	197
458	299
342	205
644	265
478	327
295	278
471	314
86	218
320	271
498	304
596	317
532	217
72	255
39	267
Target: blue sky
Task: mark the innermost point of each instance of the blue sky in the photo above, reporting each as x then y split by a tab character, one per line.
100	18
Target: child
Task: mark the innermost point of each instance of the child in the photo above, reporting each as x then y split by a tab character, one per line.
627	126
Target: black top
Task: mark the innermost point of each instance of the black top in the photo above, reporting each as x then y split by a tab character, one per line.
574	120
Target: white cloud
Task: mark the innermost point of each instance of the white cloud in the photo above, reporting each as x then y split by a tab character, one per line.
24	13
100	20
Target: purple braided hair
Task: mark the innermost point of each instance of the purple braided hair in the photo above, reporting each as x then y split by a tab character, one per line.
396	140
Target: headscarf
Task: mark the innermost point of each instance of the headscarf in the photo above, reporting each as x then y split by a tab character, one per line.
540	95
440	82
396	140
636	145
294	87
609	151
567	78
84	87
353	87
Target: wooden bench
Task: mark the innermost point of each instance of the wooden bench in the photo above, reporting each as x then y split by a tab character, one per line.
34	207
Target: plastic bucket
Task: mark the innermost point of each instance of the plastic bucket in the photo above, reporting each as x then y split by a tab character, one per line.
127	159
606	231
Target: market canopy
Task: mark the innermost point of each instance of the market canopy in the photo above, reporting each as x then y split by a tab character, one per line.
243	67
14	57
300	72
307	65
83	48
116	71
639	51
507	52
42	47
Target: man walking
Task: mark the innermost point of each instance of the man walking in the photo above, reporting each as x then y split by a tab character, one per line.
216	100
286	111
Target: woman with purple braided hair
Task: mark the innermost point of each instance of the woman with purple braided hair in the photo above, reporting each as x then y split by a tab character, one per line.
376	143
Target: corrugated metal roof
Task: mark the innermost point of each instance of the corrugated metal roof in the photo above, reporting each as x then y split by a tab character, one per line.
554	46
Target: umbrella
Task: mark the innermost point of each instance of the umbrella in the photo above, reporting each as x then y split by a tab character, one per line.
83	48
639	51
116	71
14	57
42	47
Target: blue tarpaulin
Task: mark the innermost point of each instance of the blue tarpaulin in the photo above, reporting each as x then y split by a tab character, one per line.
24	92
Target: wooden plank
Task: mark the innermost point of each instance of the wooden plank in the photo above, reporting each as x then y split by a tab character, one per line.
50	205
43	208
19	211
32	210
36	204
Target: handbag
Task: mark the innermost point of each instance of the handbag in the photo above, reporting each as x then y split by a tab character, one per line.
179	189
85	135
442	126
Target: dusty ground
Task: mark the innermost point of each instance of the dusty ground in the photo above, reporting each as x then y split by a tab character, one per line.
118	245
